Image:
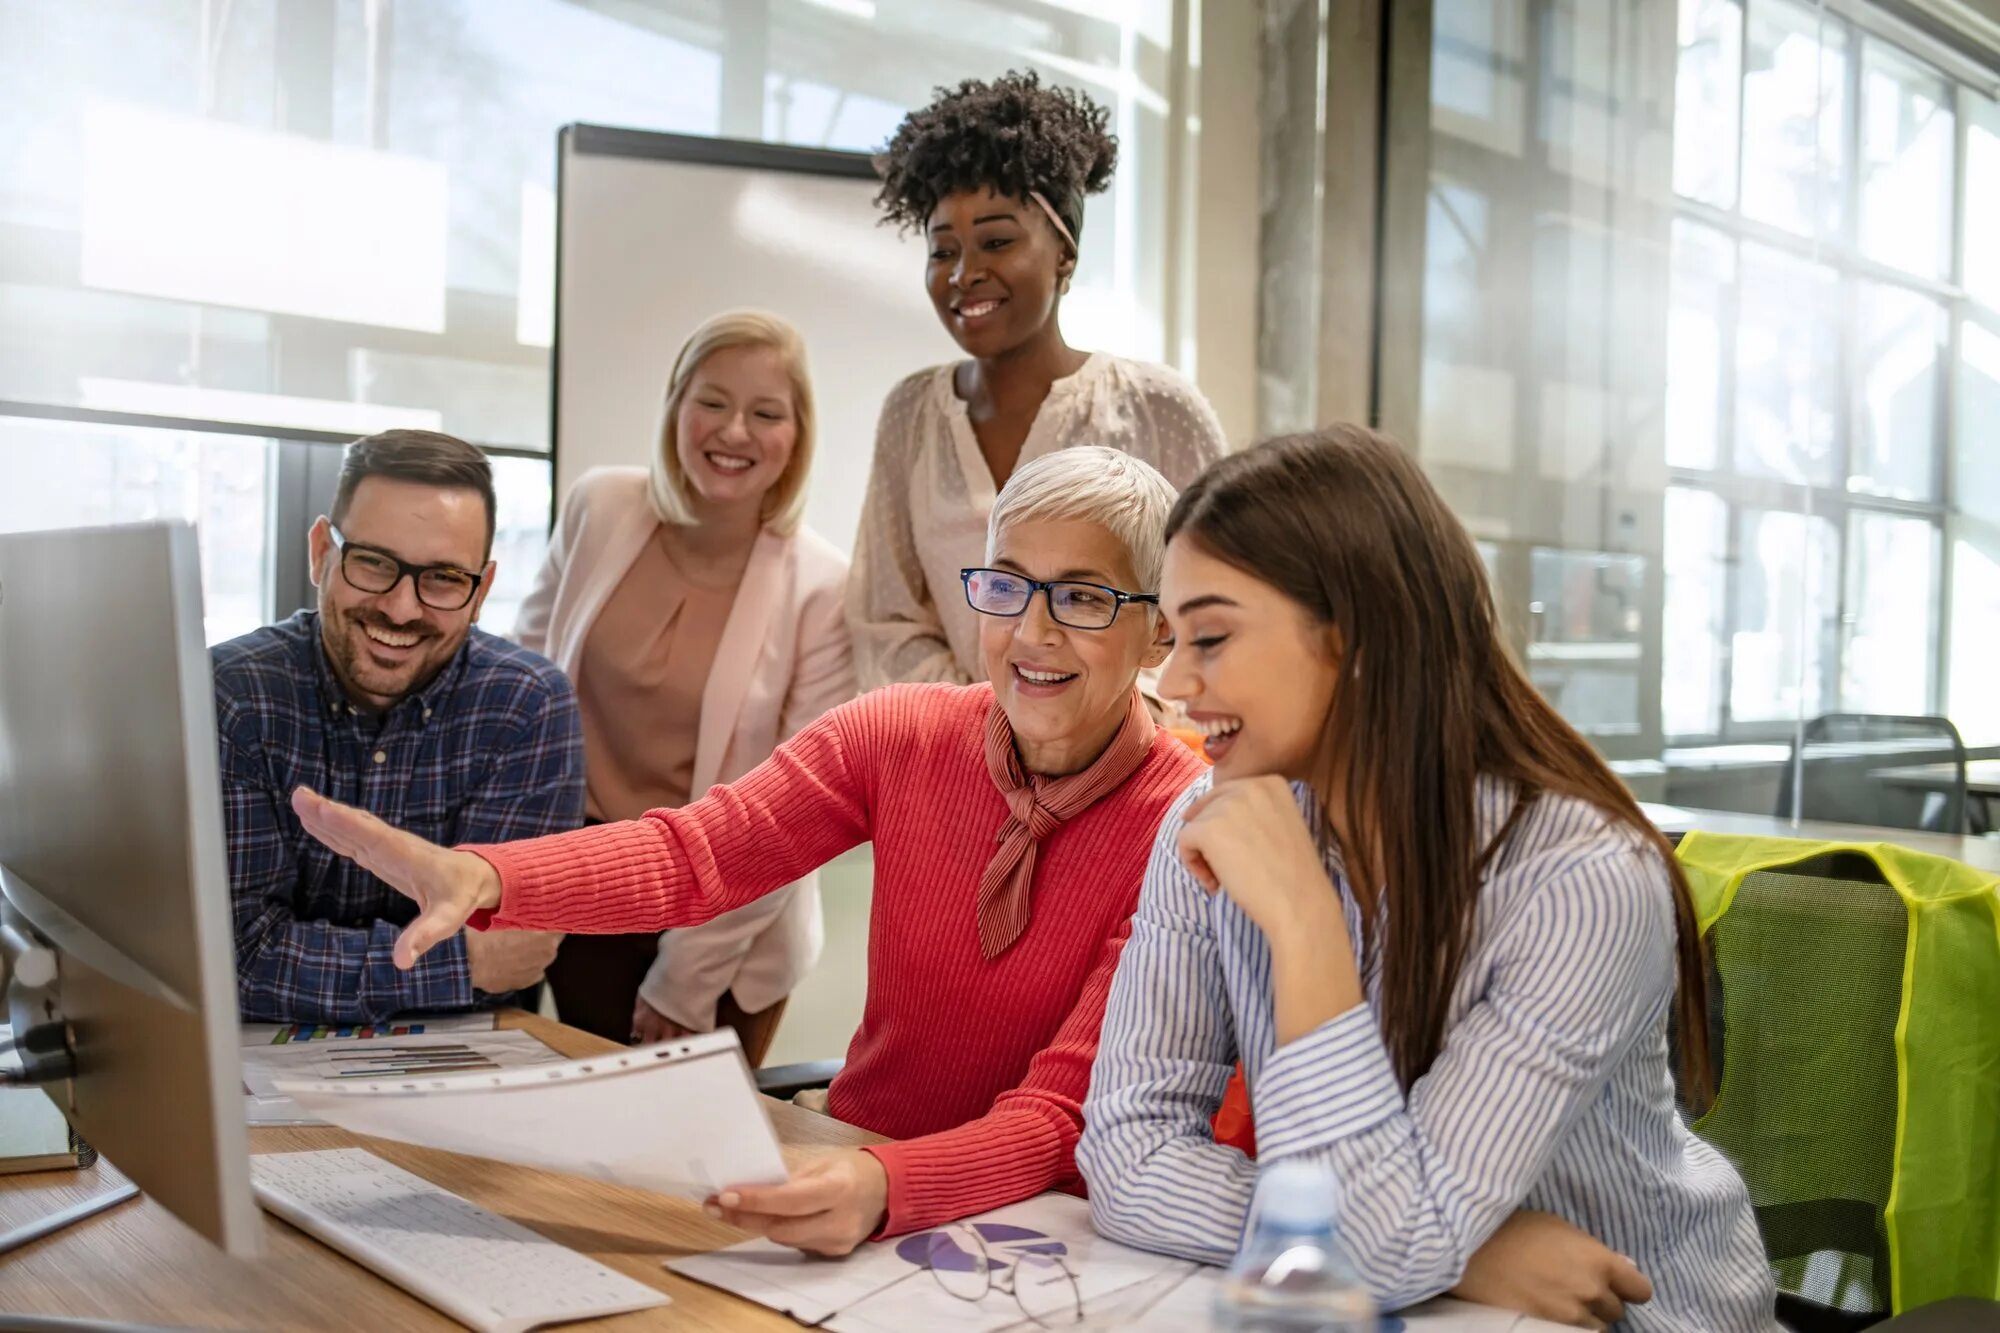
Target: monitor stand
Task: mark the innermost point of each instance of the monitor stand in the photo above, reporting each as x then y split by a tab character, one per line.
31	980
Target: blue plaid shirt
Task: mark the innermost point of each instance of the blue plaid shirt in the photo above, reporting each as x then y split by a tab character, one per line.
490	751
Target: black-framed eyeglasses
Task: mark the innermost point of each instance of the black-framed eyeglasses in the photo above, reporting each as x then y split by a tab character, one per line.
372	570
1036	1275
999	592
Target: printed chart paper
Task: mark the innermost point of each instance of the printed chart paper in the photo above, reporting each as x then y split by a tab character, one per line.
894	1285
679	1117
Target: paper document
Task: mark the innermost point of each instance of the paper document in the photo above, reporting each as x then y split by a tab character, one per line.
376	1058
1031	1264
680	1117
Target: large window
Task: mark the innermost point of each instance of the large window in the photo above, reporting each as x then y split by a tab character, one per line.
1708	357
1819	267
234	232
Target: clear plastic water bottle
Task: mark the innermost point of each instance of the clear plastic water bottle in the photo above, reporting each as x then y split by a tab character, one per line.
1291	1275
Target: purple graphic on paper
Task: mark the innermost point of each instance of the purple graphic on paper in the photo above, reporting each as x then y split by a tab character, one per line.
941	1249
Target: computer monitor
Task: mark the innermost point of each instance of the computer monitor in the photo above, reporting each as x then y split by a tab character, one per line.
115	923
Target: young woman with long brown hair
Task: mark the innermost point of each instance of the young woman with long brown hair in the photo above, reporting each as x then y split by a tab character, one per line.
1437	931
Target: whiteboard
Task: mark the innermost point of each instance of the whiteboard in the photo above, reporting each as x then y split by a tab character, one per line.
656	232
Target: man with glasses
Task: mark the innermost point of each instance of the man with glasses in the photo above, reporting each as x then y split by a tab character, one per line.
386	696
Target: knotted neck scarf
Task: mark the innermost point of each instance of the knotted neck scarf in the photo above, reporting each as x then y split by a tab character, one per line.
1038	806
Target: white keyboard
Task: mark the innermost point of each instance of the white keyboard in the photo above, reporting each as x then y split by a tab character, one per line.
483	1270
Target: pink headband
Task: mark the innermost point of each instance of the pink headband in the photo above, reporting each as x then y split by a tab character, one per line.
1061	230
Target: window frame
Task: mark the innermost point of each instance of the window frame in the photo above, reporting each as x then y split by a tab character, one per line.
305	467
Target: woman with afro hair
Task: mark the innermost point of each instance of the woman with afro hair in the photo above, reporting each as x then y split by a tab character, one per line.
994	175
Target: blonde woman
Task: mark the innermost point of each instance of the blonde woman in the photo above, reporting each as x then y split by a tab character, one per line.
702	624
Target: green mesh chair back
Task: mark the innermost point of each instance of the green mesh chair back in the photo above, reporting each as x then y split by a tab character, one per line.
1809	970
1856	1020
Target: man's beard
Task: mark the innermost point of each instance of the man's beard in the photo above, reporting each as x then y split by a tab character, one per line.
360	671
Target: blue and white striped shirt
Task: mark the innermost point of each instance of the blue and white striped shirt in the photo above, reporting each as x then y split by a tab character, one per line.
1551	1091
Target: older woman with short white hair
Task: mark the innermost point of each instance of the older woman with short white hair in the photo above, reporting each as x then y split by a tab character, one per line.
1011	822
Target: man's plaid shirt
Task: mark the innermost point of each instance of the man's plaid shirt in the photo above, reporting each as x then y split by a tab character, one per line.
489	751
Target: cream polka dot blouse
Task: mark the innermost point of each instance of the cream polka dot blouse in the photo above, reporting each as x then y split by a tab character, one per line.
931	491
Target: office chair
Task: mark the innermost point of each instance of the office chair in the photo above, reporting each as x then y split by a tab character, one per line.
1839	755
1858	1069
788	1081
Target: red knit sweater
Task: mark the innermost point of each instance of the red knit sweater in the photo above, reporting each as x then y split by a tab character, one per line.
979	1067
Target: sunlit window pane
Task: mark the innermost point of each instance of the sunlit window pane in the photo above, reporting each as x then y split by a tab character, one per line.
329	201
194	210
1585	617
1982	201
1479	92
1704	271
1794	118
65	475
1468	395
1788	390
1892	608
1976	451
1974	705
1900	344
1697	524
520	537
1787	580
1907	134
1707	100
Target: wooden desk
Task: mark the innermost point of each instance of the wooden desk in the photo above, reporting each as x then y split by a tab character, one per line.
1980	853
138	1263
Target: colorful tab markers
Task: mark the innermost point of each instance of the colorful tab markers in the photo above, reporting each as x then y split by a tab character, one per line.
322	1031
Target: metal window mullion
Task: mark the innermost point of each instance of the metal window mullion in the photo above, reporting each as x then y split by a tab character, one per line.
1850	138
1775	493
1735	210
1828	255
1847	301
1833	685
1519	213
242	430
1946	463
287	523
1728	386
1733	521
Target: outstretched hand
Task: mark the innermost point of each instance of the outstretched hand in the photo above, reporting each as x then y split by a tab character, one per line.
447	886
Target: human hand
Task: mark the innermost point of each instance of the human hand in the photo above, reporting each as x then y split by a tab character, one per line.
832	1203
1542	1266
504	960
447	886
650	1025
1246	838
